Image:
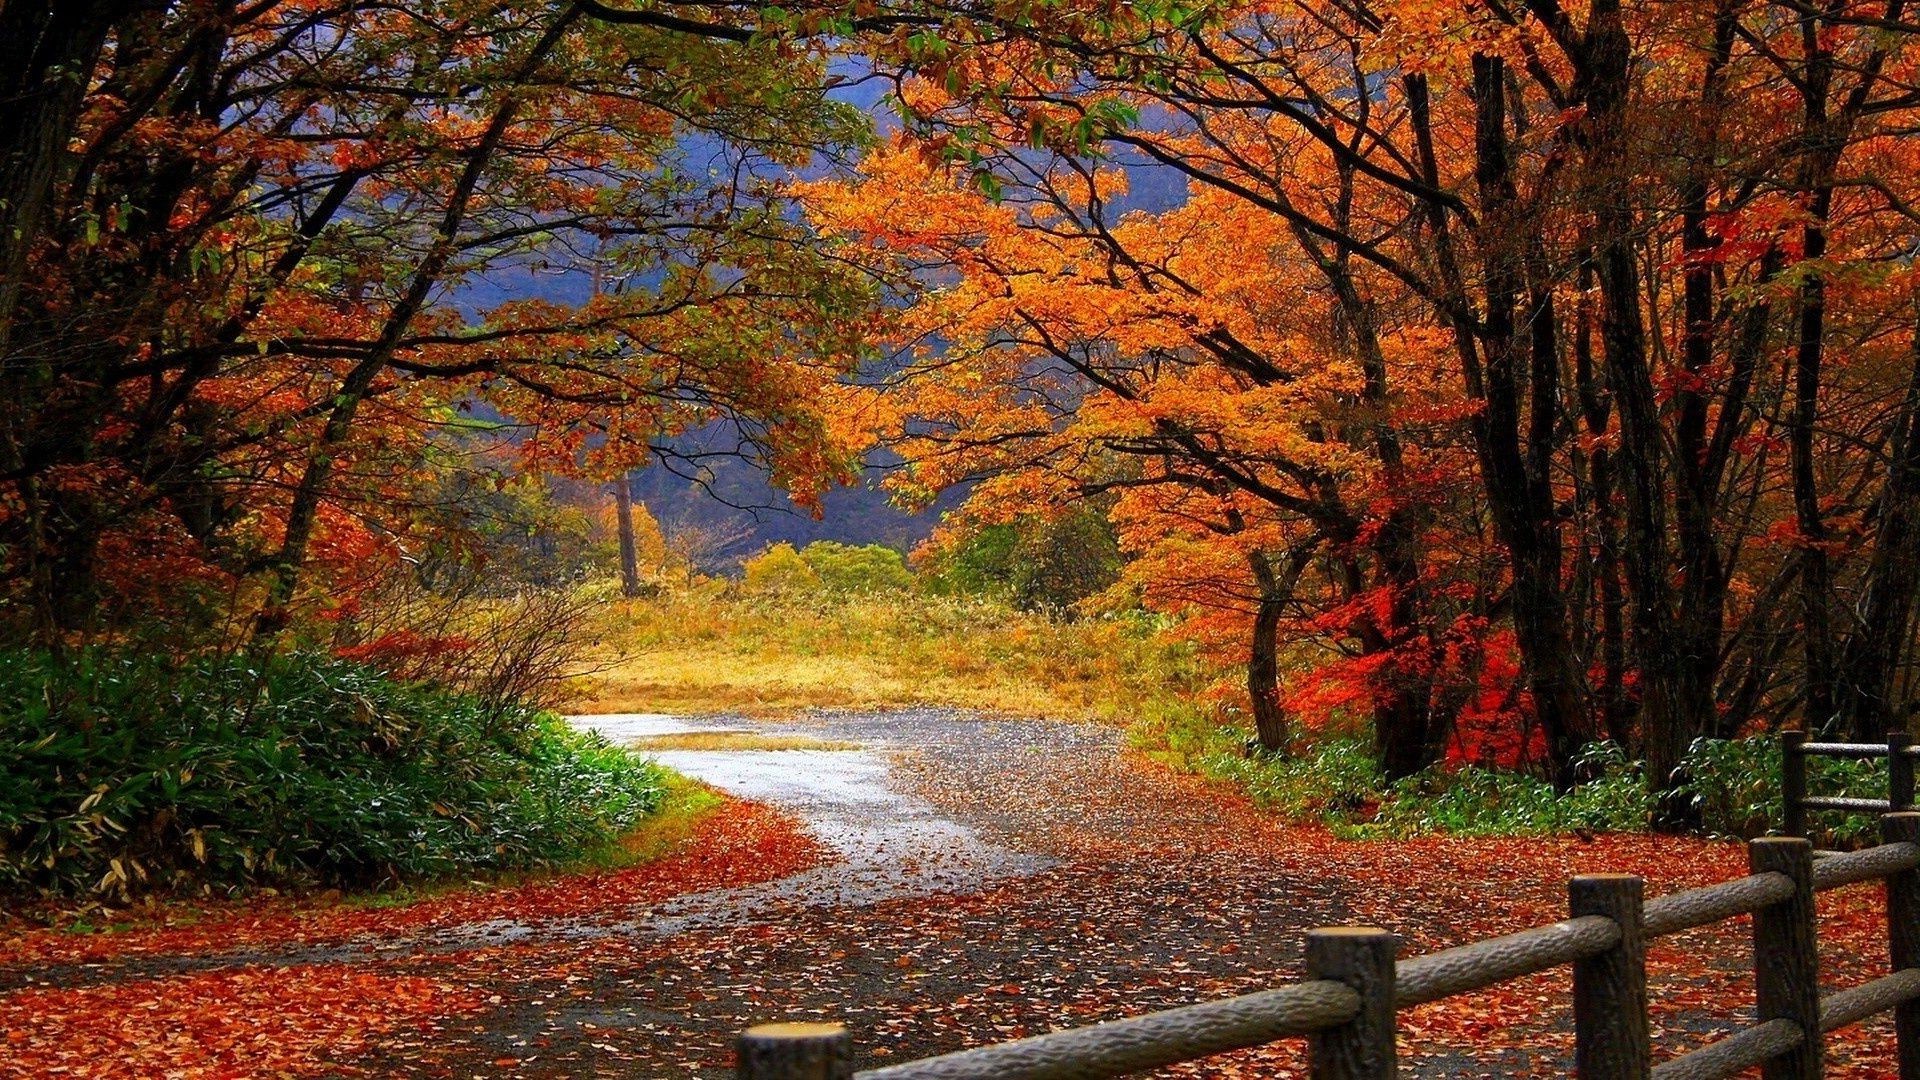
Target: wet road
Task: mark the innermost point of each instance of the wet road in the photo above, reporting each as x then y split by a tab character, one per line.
886	843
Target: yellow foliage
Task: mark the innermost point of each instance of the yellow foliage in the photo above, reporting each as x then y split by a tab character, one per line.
780	569
713	649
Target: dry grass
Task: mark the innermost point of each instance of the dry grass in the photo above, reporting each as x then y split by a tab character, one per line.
712	650
737	740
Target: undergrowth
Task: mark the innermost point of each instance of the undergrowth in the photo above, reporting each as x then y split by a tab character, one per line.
132	774
1732	787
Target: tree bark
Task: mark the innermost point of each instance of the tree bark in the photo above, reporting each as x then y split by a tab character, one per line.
48	52
1871	656
1263	661
629	555
1516	456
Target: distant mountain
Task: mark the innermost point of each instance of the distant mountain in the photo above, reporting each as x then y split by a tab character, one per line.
724	506
736	513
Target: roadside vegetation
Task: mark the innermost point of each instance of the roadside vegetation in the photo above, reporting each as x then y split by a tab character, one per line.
127	776
393	740
980	623
1730	787
715	647
854	627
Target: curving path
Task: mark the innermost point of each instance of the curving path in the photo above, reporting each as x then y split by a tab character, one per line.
885	842
993	878
989	878
986	878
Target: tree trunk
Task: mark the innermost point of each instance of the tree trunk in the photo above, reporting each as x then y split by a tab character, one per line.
1263	662
48	51
1816	571
1516	459
1670	716
629	556
1611	699
1873	650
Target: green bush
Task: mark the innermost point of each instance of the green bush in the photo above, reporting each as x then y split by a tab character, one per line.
125	775
1473	801
1734	785
827	567
1036	563
866	568
1337	781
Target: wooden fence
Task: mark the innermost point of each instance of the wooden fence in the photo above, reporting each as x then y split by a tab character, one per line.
1899	750
1354	988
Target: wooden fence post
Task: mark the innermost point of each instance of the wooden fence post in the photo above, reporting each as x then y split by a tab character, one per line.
1793	782
1362	957
795	1052
1611	1034
1903	937
1786	958
1899	771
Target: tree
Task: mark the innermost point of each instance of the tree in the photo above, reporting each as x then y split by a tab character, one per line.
1086	353
623	523
258	279
1617	230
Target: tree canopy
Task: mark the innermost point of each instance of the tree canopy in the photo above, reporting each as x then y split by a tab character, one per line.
1509	375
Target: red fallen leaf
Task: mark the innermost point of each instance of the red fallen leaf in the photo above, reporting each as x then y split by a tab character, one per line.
506	1063
291	1021
738	844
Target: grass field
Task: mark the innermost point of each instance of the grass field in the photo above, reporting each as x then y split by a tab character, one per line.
712	650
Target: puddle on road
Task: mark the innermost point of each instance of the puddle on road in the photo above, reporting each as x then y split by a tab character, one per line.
887	844
625	727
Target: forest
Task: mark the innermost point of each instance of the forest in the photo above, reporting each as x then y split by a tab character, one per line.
451	451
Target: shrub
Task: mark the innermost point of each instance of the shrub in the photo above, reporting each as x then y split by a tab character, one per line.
126	774
1036	563
1338	782
1336	776
509	651
867	568
1474	801
780	569
1061	561
1734	785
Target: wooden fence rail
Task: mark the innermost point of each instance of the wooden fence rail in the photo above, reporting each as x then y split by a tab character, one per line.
1899	750
1346	1007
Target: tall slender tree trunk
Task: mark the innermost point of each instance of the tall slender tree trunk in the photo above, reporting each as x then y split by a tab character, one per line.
1670	716
629	554
1867	667
1611	699
1515	435
1816	570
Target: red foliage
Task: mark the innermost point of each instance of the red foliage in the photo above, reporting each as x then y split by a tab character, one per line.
739	844
294	1021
